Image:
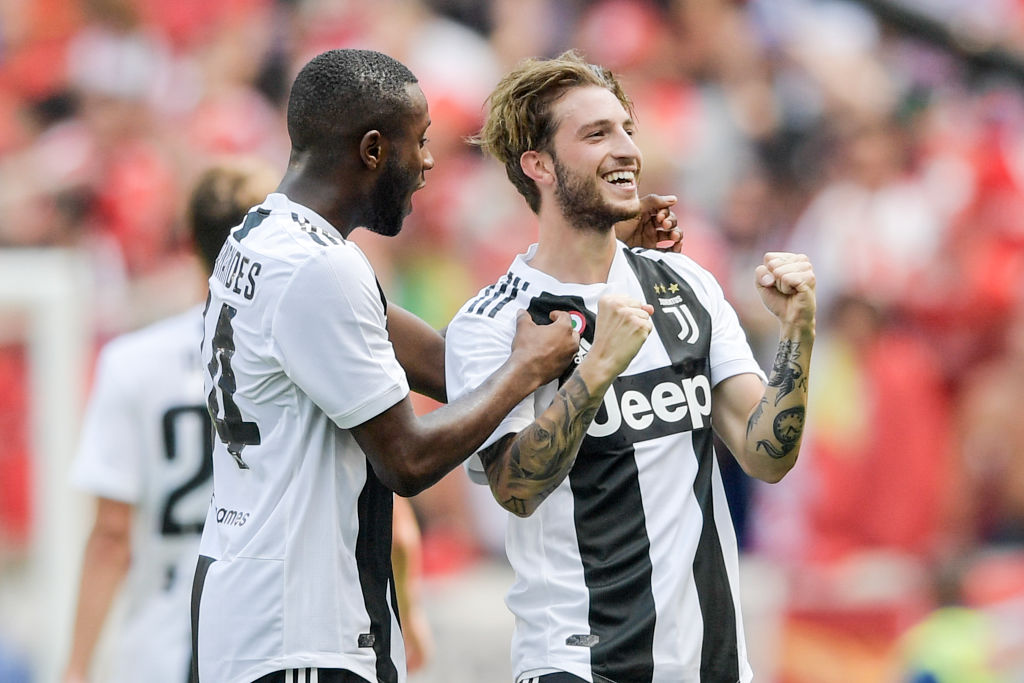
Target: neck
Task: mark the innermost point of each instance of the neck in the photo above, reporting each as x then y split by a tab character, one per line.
570	254
319	192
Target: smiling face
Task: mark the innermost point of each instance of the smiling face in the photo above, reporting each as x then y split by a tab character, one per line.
596	163
404	169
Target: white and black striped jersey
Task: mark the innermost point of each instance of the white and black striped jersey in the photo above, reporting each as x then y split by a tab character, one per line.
628	571
295	566
146	441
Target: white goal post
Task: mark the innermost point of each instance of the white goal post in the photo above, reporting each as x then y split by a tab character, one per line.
50	290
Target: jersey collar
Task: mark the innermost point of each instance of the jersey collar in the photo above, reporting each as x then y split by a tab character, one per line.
521	266
278	202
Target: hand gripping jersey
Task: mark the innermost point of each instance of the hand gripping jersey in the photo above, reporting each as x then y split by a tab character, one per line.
295	566
146	441
627	572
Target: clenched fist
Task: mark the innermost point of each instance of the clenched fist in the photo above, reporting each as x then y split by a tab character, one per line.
623	325
545	350
786	284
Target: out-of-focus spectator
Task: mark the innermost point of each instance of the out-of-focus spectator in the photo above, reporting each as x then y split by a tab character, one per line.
873	227
114	65
966	299
751	222
990	446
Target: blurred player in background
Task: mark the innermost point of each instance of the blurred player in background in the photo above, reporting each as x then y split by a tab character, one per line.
145	454
625	557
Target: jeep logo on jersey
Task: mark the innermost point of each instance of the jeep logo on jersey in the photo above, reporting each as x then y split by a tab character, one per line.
653	404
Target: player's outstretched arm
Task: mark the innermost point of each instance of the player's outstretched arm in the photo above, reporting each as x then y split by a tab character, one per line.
524	468
106	560
763	426
410	453
419	349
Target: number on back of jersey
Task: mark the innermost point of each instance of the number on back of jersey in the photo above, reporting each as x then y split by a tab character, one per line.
235	432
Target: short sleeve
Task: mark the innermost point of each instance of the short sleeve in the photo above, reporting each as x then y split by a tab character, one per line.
107	463
476	346
730	351
330	333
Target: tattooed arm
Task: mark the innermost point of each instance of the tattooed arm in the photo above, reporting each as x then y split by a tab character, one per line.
524	468
763	425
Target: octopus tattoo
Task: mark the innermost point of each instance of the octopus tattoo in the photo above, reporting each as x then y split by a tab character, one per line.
787	373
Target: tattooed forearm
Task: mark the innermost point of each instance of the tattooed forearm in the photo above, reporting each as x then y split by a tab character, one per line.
776	424
525	468
543	450
755	417
522	507
788	371
787	428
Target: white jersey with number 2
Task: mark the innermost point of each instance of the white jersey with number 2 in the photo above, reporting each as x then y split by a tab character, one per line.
146	441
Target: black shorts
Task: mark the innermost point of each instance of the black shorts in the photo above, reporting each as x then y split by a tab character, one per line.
564	677
311	676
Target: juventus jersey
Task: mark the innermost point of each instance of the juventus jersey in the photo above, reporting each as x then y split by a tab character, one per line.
295	566
146	441
628	570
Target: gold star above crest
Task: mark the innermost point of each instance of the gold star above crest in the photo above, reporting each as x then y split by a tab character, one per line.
673	288
659	289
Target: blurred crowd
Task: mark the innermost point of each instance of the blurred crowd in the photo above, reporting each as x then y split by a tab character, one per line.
885	139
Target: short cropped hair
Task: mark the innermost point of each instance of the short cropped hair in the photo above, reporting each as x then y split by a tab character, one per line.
218	202
519	111
346	92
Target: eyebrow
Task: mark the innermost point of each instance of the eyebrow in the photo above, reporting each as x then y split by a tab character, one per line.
603	123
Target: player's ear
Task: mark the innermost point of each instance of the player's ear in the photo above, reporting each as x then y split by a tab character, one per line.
538	166
371	149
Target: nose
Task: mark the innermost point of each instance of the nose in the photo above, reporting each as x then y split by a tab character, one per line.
626	147
428	159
